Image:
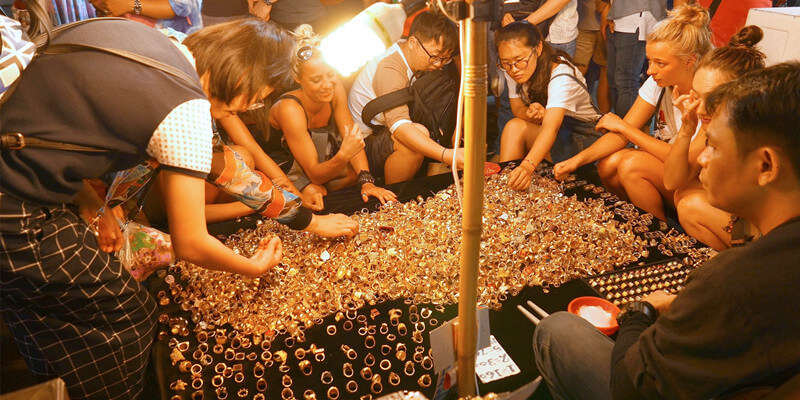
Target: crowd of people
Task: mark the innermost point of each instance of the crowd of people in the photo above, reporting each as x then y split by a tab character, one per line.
244	116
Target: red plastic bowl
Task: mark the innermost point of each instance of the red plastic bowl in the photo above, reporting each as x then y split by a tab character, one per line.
491	168
576	304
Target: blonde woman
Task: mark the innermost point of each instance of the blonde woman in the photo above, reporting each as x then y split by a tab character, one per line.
673	48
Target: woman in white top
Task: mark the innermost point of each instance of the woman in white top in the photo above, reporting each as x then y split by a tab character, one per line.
673	49
537	74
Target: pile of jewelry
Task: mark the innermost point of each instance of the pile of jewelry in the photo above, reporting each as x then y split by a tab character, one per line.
411	251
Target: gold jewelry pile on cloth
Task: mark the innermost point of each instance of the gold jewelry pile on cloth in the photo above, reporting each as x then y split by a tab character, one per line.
411	250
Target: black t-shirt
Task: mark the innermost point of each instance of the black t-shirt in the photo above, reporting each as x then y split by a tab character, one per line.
735	325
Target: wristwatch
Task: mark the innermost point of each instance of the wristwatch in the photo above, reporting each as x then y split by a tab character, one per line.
137	7
269	2
637	307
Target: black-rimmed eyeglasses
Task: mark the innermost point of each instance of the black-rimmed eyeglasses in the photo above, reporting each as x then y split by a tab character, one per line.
434	59
519	64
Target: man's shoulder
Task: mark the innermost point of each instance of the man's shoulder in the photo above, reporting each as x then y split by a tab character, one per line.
775	253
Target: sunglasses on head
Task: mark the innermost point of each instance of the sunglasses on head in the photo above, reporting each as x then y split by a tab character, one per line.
306	52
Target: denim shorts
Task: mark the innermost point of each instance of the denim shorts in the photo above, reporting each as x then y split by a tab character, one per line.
573	137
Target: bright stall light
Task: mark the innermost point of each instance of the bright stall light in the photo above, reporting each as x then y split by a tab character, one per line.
367	35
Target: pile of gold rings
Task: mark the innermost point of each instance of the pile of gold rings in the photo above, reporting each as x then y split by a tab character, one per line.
411	250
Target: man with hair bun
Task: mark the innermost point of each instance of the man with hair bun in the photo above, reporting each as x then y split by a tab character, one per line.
734	329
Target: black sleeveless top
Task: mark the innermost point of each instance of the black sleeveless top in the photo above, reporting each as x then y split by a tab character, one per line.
93	99
275	145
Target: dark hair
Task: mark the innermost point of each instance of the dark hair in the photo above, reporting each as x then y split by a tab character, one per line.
242	57
739	56
762	109
435	26
528	35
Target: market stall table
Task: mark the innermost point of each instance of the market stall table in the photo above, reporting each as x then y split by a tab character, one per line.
381	347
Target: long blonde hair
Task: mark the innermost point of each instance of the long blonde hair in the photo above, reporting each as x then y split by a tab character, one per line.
686	29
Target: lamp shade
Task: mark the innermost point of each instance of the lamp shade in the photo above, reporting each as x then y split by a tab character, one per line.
365	36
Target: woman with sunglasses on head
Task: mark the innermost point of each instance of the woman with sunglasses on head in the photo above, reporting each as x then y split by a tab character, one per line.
554	112
309	117
673	49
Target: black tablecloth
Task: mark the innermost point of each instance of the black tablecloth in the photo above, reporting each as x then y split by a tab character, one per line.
510	328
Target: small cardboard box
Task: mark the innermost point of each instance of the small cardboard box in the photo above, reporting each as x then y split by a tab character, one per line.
781	27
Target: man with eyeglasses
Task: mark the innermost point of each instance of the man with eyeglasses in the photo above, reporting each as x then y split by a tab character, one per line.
400	145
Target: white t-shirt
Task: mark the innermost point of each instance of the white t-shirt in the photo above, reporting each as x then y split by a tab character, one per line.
644	21
363	89
564	28
564	92
649	92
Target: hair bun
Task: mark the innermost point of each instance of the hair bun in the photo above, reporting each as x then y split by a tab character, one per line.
305	35
692	14
748	36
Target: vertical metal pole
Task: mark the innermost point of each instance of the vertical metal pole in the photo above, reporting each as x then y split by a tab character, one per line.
475	77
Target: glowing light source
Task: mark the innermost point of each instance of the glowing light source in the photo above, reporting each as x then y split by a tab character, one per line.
364	37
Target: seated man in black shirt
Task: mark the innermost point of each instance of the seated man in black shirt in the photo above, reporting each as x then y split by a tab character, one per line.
736	325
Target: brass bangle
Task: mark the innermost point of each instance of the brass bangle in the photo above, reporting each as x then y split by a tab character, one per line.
305	367
424	380
394	379
333	393
300	353
409	368
366	373
369	360
326	377
347	370
261	384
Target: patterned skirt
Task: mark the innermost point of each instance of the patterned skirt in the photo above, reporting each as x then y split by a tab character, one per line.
75	312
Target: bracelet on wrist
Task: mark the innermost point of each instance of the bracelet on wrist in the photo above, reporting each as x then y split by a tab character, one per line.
443	151
529	162
364	177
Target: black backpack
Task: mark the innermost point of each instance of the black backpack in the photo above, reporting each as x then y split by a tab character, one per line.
432	101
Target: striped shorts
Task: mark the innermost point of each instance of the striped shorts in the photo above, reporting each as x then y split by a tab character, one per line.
74	311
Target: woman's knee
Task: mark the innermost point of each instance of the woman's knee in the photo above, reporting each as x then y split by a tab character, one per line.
312	189
515	130
632	165
607	167
245	155
691	206
407	154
